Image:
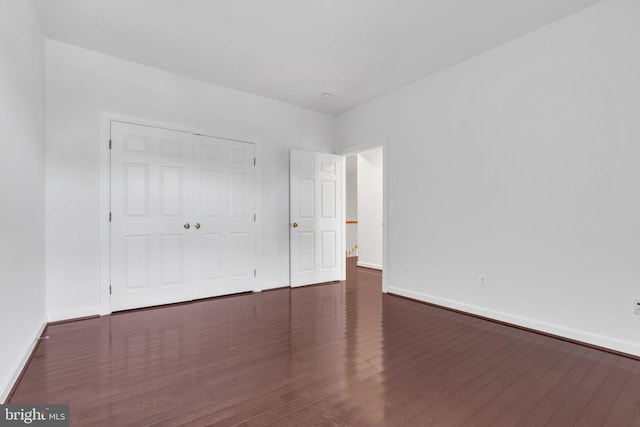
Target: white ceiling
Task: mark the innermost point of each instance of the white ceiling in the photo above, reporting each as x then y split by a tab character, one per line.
294	50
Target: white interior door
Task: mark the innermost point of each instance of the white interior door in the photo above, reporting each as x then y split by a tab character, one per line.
224	211
315	217
182	224
150	170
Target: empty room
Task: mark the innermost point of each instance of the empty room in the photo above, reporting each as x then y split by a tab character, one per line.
299	213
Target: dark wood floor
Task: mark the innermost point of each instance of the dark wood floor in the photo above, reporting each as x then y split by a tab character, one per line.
340	354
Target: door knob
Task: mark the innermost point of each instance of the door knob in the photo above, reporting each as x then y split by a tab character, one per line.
186	226
295	224
197	226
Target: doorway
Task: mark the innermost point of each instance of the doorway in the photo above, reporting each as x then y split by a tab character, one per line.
364	208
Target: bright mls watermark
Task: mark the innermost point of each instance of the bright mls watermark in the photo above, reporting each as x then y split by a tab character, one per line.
34	415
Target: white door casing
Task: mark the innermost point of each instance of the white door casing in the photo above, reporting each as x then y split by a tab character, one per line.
315	217
161	180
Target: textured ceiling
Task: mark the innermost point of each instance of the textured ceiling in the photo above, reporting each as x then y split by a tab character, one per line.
294	50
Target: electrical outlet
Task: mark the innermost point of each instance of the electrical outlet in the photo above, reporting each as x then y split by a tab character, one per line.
482	281
636	307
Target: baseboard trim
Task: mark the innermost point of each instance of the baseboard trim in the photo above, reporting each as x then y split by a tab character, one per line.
74	314
19	371
279	288
333	282
369	265
274	285
600	342
75	319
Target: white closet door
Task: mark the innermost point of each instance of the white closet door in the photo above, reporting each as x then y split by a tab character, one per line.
150	172
223	192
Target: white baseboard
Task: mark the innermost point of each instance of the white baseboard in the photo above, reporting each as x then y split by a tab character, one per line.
274	285
74	314
624	346
369	265
5	389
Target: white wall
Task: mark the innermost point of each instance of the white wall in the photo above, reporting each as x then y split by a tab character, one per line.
522	164
351	187
22	262
351	205
81	85
370	208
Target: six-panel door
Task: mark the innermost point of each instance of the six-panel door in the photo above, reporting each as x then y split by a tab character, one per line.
224	209
315	217
180	208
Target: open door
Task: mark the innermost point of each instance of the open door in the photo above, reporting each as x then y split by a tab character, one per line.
315	217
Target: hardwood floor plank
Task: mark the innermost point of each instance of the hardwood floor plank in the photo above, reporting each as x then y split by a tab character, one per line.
624	407
524	401
407	406
408	374
546	407
576	404
405	366
509	391
600	404
336	354
465	401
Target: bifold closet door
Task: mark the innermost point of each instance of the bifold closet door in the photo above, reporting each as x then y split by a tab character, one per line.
150	244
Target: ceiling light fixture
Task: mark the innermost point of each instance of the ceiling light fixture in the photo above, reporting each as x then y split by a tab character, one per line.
326	96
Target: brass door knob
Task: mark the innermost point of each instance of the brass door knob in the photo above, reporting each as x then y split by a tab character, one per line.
186	226
197	226
295	224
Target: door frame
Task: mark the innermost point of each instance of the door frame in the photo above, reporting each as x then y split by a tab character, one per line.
350	151
104	205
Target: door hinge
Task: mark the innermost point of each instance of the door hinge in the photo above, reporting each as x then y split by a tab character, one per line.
109	289
254	272
109	216
254	161
110	144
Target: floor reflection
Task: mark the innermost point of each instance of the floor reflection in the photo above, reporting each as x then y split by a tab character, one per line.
290	356
334	354
364	344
